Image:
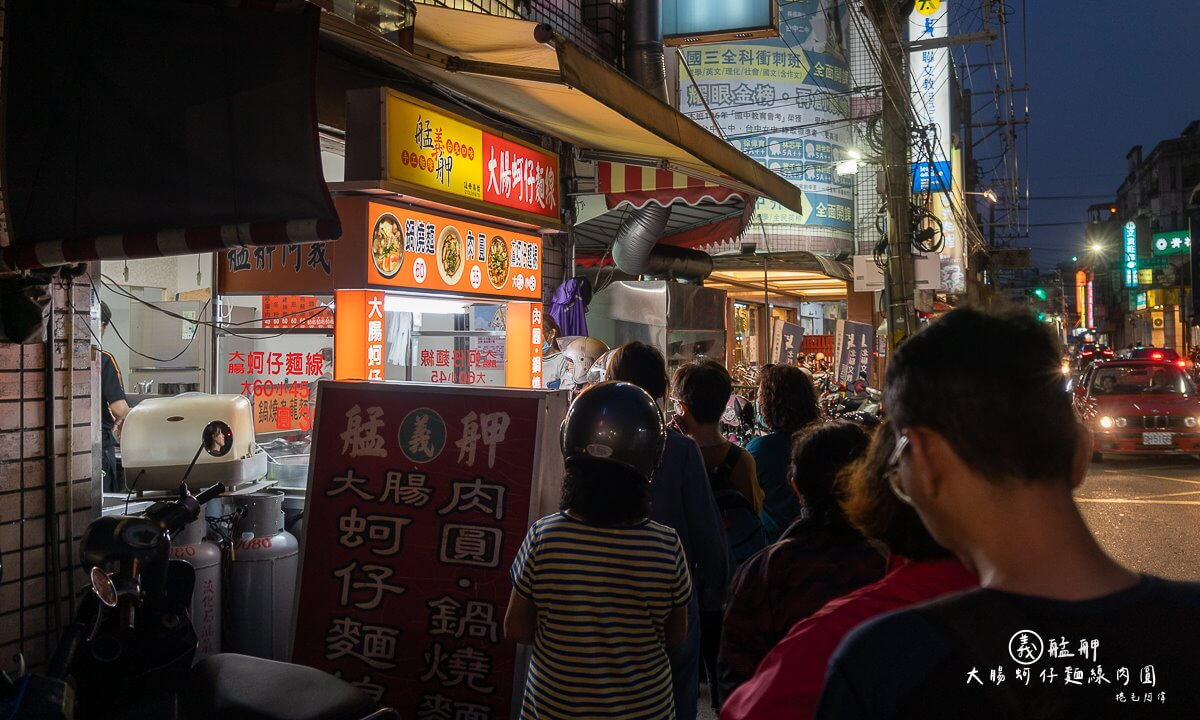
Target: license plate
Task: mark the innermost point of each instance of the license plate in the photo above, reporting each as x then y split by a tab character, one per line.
1156	438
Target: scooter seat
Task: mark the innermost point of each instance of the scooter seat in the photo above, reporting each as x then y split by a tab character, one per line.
228	686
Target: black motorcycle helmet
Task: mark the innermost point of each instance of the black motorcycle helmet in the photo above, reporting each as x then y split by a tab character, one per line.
615	422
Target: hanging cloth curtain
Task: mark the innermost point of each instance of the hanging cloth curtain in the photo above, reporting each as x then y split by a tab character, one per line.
568	306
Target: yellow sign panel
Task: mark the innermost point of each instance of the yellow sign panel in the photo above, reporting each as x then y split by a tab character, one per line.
432	149
928	7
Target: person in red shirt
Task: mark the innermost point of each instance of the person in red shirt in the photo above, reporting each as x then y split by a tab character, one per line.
788	682
821	556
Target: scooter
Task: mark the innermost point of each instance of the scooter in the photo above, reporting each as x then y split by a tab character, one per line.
129	651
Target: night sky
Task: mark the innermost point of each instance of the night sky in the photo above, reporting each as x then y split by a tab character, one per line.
1104	76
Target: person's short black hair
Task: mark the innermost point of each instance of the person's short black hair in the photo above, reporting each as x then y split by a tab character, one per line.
991	384
604	494
872	507
819	455
705	385
787	400
642	365
105	314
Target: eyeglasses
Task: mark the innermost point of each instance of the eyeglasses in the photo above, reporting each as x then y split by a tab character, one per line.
892	473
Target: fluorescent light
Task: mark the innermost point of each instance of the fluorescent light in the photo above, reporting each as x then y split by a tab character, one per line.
414	304
846	167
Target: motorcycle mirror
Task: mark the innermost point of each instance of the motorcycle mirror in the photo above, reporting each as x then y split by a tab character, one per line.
218	438
103	586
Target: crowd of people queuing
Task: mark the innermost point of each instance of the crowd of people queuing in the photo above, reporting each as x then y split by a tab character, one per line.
935	566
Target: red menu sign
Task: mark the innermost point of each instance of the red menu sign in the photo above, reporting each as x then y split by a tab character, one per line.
417	503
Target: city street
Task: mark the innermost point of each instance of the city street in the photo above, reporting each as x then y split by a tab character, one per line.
1146	513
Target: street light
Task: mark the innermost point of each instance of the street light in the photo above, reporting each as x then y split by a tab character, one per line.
989	195
1097	247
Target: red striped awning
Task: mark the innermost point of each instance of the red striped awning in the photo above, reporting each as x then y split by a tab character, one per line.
637	185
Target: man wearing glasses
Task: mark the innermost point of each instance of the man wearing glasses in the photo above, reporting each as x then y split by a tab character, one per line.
988	453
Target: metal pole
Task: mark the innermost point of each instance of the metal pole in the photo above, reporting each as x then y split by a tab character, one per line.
1183	326
900	286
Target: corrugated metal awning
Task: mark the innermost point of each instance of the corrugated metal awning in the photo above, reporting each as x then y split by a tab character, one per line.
526	72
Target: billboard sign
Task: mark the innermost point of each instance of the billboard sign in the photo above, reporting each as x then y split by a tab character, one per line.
781	101
416	148
700	21
929	74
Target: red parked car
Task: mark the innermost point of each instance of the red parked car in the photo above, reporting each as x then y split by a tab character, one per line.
1139	407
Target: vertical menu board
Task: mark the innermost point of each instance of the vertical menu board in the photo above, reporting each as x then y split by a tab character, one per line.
418	500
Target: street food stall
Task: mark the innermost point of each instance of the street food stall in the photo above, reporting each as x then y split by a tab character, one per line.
437	277
428	296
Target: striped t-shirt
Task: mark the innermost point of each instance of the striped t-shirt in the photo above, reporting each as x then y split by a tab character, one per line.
602	596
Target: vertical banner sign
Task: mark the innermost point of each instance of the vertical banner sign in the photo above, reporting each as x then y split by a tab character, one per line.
1091	303
953	256
1129	238
374	335
787	340
523	345
780	100
417	502
358	335
856	343
1081	286
929	72
1194	231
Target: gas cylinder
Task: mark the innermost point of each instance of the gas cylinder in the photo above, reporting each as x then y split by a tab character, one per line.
204	556
262	575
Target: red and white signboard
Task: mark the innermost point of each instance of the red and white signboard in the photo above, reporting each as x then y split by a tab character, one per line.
418	499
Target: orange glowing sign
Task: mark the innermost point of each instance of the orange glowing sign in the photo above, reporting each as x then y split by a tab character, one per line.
358	335
397	246
523	346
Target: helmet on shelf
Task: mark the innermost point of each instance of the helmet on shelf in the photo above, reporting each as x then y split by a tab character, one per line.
581	352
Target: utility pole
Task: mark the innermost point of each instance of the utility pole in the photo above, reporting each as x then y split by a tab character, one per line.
900	286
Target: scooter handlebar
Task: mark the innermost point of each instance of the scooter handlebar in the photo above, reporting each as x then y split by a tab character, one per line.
210	493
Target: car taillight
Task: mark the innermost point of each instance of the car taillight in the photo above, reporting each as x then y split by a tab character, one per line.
1156	356
1181	363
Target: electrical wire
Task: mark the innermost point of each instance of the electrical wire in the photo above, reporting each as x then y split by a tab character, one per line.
310	313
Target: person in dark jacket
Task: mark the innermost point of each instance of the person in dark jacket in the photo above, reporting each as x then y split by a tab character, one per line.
787	403
681	499
821	556
788	682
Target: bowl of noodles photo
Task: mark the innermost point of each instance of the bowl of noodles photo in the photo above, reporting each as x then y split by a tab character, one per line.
497	262
451	255
387	245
